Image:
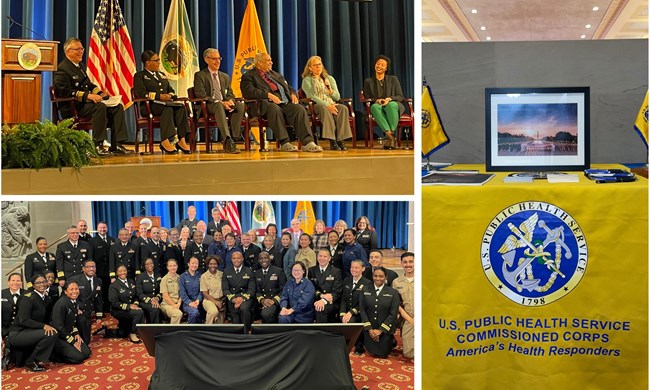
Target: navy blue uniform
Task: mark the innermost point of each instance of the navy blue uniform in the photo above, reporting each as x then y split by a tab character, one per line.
327	282
239	284
90	300
65	319
269	284
300	298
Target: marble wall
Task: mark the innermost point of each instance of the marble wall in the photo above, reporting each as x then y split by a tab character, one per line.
615	70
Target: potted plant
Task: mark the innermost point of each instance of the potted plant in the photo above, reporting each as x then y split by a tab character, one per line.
46	145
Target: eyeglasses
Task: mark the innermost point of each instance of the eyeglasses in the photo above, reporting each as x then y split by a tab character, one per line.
76	49
214	58
156	60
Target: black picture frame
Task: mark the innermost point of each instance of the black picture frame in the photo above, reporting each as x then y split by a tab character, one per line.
537	129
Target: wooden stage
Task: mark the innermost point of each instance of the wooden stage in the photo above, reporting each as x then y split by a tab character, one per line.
359	171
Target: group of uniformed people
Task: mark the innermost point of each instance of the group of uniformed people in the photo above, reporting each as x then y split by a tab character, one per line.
165	273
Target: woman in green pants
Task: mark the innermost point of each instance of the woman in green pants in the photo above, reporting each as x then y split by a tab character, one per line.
386	92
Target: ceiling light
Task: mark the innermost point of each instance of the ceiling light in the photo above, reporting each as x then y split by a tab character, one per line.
482	28
595	9
489	38
583	36
588	26
474	11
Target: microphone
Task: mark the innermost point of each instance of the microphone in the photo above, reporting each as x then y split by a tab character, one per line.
143	209
13	21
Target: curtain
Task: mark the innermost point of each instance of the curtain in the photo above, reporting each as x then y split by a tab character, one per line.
388	218
348	35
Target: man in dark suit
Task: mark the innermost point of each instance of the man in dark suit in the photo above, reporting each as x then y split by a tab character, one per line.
278	103
140	242
190	221
154	250
153	85
328	283
376	259
101	244
198	249
122	252
83	228
238	285
269	282
217	223
70	80
251	252
90	298
215	85
70	256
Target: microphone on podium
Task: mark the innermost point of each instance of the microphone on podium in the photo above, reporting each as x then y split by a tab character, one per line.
13	21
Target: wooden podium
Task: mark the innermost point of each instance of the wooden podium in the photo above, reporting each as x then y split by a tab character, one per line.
23	61
155	221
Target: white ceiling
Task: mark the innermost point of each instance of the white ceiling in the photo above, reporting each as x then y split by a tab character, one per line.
533	20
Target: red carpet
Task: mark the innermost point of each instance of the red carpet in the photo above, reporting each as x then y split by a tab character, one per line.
120	364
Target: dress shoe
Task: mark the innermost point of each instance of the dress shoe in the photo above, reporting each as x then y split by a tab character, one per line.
35	367
134	338
334	145
342	145
165	151
119	149
102	151
229	146
180	148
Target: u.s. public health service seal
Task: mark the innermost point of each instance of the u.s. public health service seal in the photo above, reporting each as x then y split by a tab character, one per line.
534	253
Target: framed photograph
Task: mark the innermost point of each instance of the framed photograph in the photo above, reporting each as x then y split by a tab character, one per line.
537	129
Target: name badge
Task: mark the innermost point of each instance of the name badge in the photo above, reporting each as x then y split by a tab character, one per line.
273	277
83	250
329	278
246	276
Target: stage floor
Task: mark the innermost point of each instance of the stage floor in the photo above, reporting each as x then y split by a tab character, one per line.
353	172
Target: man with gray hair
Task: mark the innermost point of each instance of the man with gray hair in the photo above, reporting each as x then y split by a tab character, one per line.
215	85
278	103
71	80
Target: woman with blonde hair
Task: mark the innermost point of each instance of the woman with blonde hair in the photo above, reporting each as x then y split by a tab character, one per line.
321	87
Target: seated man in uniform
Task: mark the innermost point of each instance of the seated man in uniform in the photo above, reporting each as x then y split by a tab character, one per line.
71	80
278	104
376	259
328	283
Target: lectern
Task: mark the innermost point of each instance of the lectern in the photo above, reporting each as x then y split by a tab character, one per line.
23	61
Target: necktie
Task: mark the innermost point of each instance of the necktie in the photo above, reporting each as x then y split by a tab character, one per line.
377	291
322	271
216	87
354	285
237	271
104	238
91	284
45	258
126	283
264	272
283	95
74	246
15	298
155	76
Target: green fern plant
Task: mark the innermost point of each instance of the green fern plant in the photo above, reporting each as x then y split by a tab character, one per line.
46	145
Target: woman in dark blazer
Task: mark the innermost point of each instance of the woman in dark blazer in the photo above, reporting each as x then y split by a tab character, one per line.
69	347
386	93
153	85
147	286
31	328
39	262
352	251
379	307
124	303
366	235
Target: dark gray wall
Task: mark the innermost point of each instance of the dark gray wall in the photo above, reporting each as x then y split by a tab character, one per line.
615	70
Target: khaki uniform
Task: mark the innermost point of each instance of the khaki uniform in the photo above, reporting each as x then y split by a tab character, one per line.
406	292
212	284
170	286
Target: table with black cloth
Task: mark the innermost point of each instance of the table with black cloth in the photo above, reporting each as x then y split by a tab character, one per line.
311	359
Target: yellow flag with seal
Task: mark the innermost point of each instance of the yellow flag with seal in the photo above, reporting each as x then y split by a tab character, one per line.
434	136
641	122
250	43
305	214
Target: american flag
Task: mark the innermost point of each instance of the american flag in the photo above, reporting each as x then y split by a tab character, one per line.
111	63
229	211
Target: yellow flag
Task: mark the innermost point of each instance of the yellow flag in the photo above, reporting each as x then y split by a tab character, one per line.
250	43
178	59
305	214
641	122
433	134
